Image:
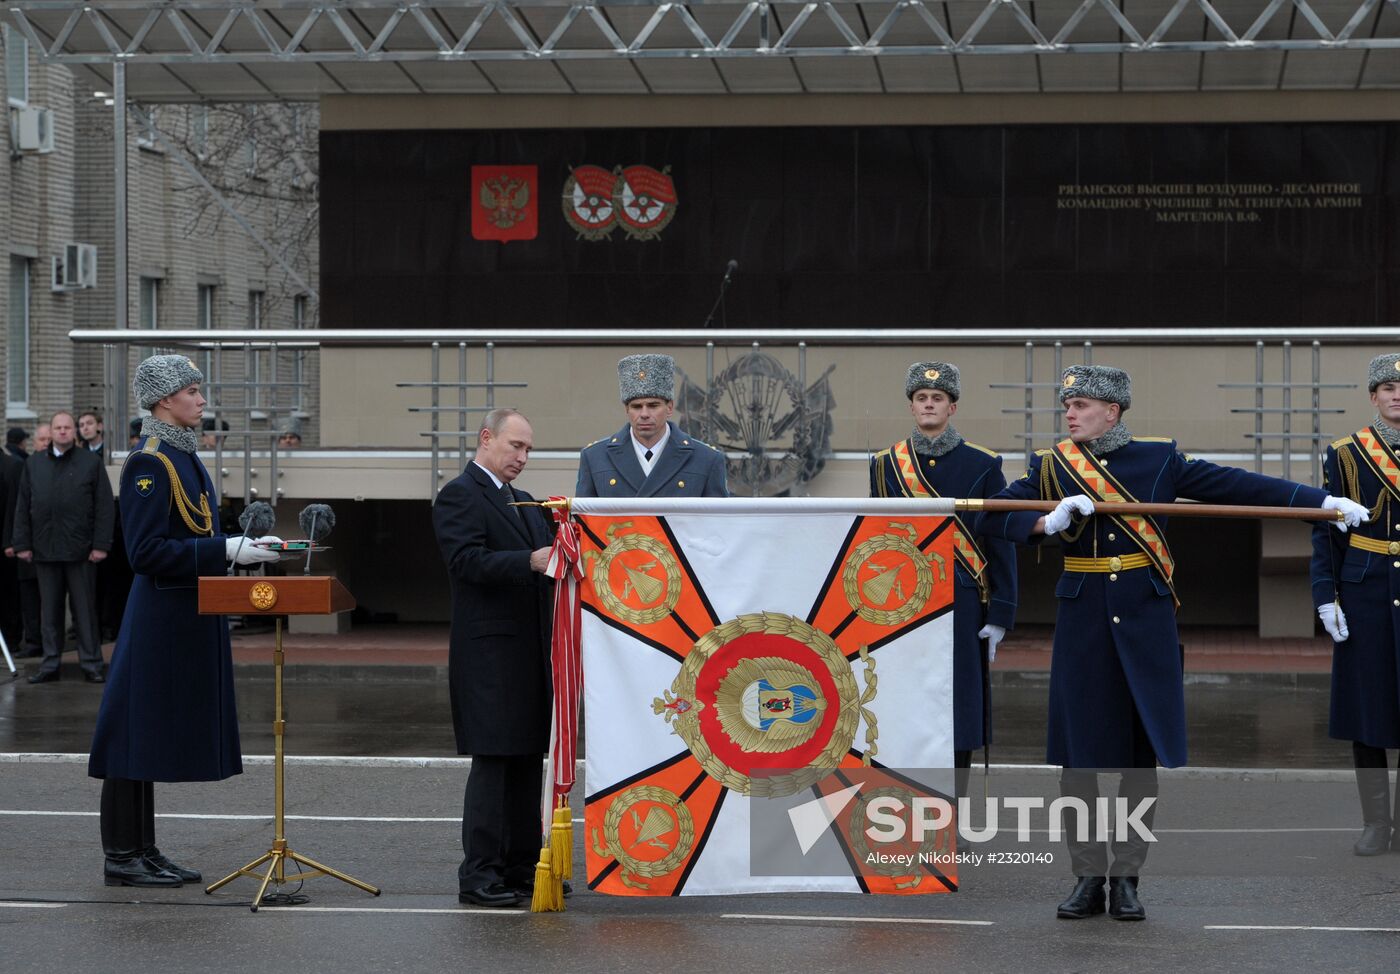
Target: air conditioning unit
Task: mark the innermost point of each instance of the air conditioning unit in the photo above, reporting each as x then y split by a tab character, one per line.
34	130
76	268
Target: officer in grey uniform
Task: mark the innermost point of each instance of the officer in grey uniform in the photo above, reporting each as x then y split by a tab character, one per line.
650	456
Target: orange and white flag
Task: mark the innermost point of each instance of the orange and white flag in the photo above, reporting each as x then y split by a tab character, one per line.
736	650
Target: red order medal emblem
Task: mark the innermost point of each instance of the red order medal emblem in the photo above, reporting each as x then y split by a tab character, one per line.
504	203
645	200
588	202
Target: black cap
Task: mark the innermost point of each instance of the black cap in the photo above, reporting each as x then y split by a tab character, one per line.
16	434
135	426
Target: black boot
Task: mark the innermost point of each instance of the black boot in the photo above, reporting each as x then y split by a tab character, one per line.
1086	900
1373	786
1088	857
121	824
1135	787
1123	903
148	838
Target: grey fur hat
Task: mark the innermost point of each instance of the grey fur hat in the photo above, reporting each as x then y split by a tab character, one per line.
162	375
646	377
1383	368
1097	382
933	375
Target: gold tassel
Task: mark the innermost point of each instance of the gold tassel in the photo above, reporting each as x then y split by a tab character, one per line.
561	844
549	892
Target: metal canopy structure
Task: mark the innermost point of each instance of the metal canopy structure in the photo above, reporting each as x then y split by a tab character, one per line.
223	50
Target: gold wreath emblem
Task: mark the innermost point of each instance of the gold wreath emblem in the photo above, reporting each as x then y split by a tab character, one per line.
939	842
649	585
1069	380
263	596
930	373
681	709
899	580
663	822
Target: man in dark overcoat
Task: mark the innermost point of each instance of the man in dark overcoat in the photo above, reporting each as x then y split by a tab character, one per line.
935	461
63	525
168	711
1356	588
1117	699
498	663
650	456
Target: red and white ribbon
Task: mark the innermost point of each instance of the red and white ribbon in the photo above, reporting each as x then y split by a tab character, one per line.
567	570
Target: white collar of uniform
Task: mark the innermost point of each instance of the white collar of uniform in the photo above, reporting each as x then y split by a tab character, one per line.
655	449
494	479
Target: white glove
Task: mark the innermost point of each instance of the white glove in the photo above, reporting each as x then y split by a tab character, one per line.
249	553
993	635
1352	513
1061	517
1334	621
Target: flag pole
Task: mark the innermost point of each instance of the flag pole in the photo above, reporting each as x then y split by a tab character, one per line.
989	506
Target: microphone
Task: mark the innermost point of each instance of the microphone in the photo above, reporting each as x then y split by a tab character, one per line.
316	521
729	270
256	520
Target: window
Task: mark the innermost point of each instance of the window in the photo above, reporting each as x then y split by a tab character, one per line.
250	147
146	131
255	319
204	318
18	337
206	306
199	131
148	312
16	66
298	355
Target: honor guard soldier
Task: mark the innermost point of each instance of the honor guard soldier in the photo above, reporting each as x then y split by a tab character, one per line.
650	456
1356	588
168	711
935	461
1116	694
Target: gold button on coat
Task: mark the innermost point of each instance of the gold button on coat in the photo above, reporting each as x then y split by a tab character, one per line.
1112	536
612	482
1116	620
1113	576
680	483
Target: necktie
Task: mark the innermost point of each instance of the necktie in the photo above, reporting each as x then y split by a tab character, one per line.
509	496
648	456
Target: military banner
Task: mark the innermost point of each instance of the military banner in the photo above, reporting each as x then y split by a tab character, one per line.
742	650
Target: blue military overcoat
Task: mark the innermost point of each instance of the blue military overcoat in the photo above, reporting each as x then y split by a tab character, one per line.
1116	692
967	470
1365	667
168	709
686	468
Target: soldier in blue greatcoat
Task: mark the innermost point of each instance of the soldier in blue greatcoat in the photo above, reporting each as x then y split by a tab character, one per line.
168	710
935	461
1356	588
1116	693
650	456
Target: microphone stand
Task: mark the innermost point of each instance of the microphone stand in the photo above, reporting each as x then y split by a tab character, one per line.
311	543
719	301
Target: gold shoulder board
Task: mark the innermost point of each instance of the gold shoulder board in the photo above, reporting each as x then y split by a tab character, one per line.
1154	439
152	445
978	446
1338	444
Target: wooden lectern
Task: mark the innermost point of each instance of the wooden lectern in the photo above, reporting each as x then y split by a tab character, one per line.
251	595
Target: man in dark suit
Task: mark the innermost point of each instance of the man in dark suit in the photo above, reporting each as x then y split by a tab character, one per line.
498	662
650	456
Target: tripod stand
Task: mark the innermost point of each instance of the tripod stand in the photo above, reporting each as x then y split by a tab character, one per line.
313	594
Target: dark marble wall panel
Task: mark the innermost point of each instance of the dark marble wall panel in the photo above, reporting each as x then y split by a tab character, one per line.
916	227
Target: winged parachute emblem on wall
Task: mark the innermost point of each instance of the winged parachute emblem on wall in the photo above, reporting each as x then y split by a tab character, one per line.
758	408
